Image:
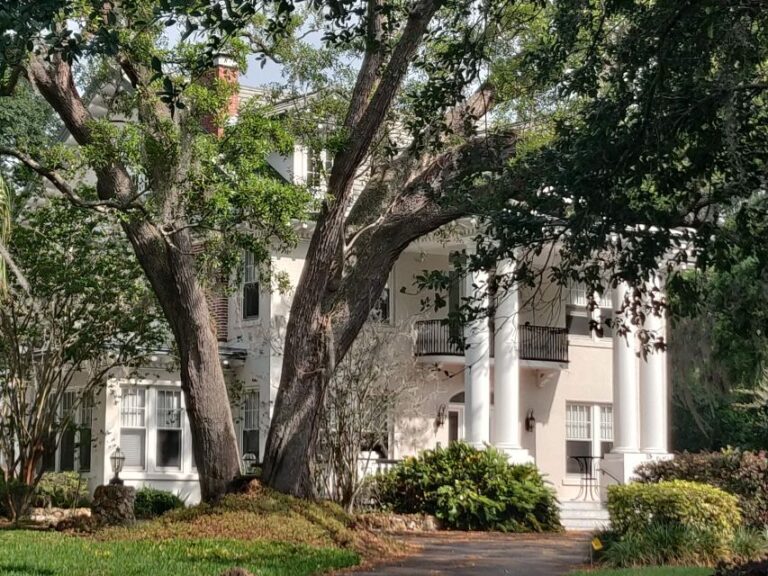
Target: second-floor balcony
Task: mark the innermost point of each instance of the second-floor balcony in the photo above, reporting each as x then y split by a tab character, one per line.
540	343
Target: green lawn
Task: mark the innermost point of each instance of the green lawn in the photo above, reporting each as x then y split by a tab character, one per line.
650	571
34	553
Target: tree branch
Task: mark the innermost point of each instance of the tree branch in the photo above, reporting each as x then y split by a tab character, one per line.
369	73
66	190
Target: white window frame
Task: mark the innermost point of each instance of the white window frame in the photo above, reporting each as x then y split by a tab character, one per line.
254	413
147	411
85	414
600	428
251	277
156	394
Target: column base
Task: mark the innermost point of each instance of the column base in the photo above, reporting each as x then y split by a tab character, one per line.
619	468
515	455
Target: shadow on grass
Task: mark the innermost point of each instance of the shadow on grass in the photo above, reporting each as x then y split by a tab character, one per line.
24	570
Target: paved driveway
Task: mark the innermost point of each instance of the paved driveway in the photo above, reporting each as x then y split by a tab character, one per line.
483	554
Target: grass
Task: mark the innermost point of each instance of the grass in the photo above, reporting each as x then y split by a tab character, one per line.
265	532
34	553
648	571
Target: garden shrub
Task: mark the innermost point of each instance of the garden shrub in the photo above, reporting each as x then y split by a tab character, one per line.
151	503
635	508
61	490
749	544
662	544
471	489
742	473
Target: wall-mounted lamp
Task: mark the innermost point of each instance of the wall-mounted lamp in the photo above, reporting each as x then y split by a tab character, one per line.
530	422
440	417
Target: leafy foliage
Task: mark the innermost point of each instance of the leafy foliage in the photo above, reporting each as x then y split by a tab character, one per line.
61	490
636	508
717	348
84	309
471	489
661	544
57	489
742	473
151	503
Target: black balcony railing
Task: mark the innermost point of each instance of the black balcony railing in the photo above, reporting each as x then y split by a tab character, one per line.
543	343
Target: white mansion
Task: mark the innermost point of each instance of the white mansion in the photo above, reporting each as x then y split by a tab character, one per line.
535	381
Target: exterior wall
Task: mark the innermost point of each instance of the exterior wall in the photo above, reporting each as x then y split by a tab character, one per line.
587	380
408	306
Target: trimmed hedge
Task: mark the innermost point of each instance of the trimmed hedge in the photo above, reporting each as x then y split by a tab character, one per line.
742	473
471	489
151	503
636	508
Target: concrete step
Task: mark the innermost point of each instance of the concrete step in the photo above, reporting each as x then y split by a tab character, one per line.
572	525
584	516
580	506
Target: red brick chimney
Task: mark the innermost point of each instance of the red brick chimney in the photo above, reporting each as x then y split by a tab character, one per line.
224	69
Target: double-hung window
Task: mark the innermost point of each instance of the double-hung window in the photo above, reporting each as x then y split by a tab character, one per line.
588	433
251	423
168	419
68	443
250	287
381	310
85	431
133	427
318	168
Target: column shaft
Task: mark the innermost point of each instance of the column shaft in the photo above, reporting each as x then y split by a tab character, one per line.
477	385
506	375
653	393
626	405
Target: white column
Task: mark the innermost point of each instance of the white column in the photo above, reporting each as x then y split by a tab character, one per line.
626	401
477	367
619	466
653	389
506	372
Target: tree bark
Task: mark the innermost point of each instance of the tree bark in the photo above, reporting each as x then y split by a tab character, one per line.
170	268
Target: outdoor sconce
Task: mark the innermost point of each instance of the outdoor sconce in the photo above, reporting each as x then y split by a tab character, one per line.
530	422
440	417
117	459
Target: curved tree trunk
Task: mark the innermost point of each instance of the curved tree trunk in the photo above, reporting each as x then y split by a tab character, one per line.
170	268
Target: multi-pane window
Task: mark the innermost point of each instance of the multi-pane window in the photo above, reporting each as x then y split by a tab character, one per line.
85	432
250	287
68	443
606	429
380	312
251	423
319	164
588	433
168	420
579	320
133	430
578	435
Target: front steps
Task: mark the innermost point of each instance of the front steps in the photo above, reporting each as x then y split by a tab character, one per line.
583	516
